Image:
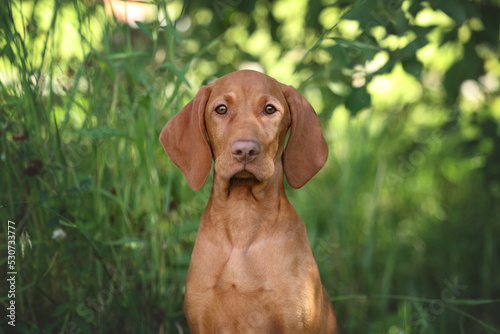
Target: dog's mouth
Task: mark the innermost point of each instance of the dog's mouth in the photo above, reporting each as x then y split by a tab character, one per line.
244	174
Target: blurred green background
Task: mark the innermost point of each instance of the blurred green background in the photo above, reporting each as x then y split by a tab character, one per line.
404	219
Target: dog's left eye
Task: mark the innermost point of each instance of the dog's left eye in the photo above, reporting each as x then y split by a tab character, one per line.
221	110
270	109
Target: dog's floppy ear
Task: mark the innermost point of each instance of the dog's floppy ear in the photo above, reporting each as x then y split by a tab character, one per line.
185	141
306	151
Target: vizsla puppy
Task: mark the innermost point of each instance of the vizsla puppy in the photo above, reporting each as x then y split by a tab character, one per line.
252	269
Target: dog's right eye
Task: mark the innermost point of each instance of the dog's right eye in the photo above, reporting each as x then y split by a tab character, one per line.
221	110
270	109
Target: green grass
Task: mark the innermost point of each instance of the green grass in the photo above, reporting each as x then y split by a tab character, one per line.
406	206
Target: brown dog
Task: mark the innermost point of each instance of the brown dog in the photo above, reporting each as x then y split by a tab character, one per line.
252	269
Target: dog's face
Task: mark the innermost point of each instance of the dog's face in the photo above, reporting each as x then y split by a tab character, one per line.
246	119
246	115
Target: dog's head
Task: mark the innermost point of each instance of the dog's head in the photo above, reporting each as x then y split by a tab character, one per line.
241	121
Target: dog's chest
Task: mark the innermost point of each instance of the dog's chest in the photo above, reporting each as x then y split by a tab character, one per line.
243	273
244	292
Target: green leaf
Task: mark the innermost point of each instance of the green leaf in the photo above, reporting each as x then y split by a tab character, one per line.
452	81
145	28
67	223
125	55
171	30
451	35
415	8
408	52
475	301
472	64
363	11
413	67
357	44
341	56
453	9
358	99
176	71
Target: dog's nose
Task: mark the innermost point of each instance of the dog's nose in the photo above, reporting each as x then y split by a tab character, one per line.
245	150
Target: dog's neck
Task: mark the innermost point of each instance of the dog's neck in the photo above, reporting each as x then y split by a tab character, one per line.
254	207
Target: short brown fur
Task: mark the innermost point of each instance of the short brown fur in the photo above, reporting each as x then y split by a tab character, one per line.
252	269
